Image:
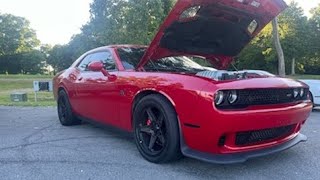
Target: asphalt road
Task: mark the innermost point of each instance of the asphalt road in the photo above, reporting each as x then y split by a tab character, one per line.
33	145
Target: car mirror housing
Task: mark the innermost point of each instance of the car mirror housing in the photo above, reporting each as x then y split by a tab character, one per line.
96	66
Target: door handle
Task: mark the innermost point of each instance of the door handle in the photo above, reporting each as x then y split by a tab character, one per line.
80	78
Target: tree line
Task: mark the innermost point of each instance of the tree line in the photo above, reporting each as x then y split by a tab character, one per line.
20	50
137	21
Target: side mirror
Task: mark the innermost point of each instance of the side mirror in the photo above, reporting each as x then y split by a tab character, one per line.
95	66
98	66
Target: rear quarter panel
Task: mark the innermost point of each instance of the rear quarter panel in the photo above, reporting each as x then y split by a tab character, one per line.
56	82
64	80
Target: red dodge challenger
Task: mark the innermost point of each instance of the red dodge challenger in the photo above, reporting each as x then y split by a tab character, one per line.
173	105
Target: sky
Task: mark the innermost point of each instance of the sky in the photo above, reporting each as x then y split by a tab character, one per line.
55	21
307	5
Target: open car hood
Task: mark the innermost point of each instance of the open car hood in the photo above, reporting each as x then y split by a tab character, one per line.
215	29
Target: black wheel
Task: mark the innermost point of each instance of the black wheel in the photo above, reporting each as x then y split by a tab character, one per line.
156	129
65	113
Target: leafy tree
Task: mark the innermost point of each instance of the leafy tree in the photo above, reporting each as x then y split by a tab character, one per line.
296	35
60	57
17	46
125	21
167	5
31	62
16	36
113	22
312	65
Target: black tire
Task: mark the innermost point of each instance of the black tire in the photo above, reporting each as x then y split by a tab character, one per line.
162	126
66	116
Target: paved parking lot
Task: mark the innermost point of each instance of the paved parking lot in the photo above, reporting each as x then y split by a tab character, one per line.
33	145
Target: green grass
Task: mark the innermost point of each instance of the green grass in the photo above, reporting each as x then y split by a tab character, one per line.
305	76
24	83
25	76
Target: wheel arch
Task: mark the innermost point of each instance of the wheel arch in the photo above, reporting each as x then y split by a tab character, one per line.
59	88
144	93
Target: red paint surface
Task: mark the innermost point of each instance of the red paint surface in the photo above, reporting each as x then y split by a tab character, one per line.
110	101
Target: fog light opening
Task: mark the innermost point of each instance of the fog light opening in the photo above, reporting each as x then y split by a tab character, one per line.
222	141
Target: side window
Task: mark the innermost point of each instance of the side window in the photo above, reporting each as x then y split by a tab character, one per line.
106	58
83	66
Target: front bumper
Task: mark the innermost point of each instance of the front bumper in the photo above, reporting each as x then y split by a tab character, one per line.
202	140
240	157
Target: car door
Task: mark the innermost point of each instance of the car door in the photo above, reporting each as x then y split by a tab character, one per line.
75	77
96	94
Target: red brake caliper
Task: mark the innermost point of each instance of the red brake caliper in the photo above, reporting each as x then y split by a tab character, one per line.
148	122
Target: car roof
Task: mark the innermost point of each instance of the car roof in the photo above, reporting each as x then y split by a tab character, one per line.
127	46
121	46
115	47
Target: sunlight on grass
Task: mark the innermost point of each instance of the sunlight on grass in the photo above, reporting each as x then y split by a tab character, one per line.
24	83
305	76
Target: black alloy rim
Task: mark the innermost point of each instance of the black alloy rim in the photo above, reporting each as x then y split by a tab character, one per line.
152	131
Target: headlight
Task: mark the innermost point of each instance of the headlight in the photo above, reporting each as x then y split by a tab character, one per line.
296	93
232	97
219	97
301	92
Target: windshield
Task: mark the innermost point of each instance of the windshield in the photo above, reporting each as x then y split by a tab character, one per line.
130	58
176	64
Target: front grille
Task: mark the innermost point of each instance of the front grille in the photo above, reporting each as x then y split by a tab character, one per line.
265	96
253	137
247	97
